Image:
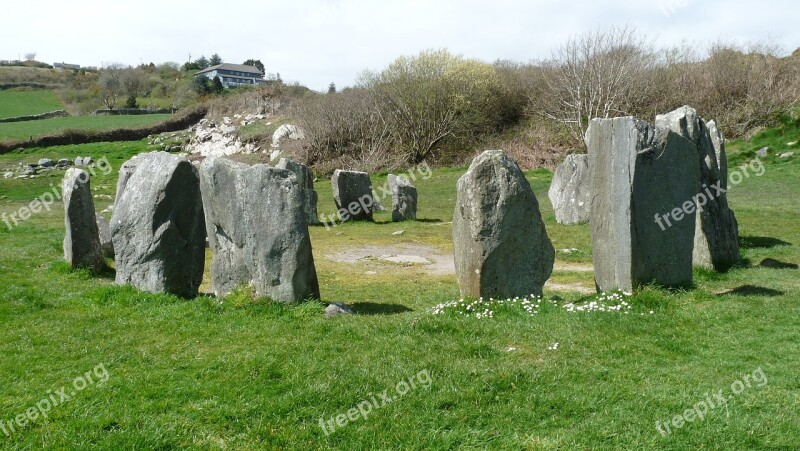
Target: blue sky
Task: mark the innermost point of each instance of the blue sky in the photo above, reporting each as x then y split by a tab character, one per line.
316	42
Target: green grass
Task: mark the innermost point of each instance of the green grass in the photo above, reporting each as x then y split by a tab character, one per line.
25	130
15	103
245	373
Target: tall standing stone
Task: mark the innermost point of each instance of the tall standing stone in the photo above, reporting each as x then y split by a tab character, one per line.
305	178
638	173
352	192
404	198
500	244
257	231
82	241
716	243
158	227
570	192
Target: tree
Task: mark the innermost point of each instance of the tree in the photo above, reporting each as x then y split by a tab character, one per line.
216	85
201	63
201	84
595	75
257	63
434	96
332	88
133	82
131	102
110	84
215	60
30	56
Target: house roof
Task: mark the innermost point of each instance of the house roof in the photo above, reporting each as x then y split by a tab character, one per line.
234	67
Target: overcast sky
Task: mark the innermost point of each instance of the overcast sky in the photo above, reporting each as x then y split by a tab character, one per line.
316	42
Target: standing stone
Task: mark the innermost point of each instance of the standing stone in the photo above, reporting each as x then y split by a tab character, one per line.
257	228
157	227
570	192
352	192
639	173
305	178
106	243
716	240
125	172
404	199
81	243
500	244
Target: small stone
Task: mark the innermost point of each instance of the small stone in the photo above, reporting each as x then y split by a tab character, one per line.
399	232
793	143
786	155
8	175
570	192
370	273
762	152
404	199
352	192
104	230
46	163
81	243
337	308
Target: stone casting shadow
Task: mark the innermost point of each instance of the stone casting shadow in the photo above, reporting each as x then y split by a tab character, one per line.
425	220
107	273
760	242
372	308
777	264
752	290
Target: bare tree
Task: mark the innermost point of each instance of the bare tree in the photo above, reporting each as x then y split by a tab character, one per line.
594	75
30	56
111	88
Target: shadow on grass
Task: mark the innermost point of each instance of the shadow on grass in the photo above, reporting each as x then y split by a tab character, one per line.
771	263
372	308
760	242
752	290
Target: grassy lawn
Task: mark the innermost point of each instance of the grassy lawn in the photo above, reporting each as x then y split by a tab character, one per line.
24	130
15	103
244	373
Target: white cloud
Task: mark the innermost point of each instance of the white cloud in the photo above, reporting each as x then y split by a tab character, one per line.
319	41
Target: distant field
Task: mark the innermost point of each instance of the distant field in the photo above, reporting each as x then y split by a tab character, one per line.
24	130
24	103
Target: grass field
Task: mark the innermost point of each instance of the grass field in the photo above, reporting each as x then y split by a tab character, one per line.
25	130
15	103
245	373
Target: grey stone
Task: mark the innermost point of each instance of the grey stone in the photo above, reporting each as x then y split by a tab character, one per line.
786	155
352	192
404	199
258	231
570	192
81	242
84	161
762	152
638	173
8	175
64	162
501	247
158	228
336	309
305	178
29	171
125	172
287	131
716	239
46	163
106	243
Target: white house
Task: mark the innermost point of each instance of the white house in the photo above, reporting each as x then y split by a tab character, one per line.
233	75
